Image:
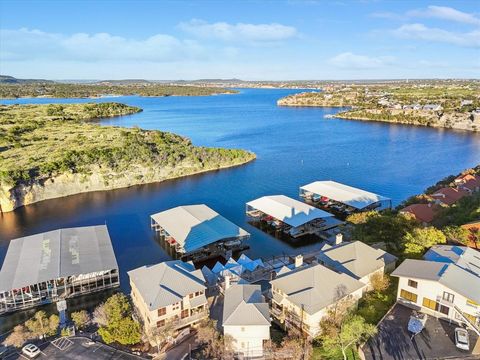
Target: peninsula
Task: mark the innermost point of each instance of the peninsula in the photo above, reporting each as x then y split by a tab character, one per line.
441	104
12	88
51	151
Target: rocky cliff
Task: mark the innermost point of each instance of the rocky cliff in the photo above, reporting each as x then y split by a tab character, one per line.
98	179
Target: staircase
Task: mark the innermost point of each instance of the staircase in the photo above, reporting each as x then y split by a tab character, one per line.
470	324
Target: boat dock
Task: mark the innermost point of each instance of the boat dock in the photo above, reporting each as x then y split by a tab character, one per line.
198	233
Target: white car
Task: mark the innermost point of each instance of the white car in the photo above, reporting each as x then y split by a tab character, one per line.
30	350
461	339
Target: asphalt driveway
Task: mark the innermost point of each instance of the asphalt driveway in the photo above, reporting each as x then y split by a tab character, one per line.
436	341
76	349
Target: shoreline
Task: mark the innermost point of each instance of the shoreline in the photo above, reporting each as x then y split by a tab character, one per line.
107	188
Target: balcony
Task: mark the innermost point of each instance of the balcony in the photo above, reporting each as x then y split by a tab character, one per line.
443	301
192	318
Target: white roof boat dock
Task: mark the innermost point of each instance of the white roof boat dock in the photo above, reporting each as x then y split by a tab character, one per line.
299	217
56	265
191	228
355	198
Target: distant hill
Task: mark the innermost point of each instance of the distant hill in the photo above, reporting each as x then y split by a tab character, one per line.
123	82
5	79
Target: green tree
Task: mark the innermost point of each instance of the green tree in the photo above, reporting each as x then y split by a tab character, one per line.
420	239
361	217
116	323
125	331
385	227
81	319
41	325
351	332
17	337
457	234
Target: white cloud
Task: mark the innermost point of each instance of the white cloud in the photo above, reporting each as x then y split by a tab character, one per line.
422	32
354	61
445	13
26	44
239	32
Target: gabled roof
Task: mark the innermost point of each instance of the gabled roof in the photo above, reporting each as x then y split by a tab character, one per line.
355	258
354	197
422	212
420	269
166	283
54	254
450	275
315	287
195	226
448	195
290	211
244	305
463	256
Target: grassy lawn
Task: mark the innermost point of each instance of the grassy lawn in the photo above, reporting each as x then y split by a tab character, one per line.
320	354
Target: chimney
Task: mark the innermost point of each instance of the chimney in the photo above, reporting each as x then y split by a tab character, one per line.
227	282
298	260
338	238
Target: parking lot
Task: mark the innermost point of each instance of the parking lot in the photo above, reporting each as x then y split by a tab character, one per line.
76	349
436	341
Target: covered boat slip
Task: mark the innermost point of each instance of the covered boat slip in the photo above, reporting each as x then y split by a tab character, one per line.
341	198
56	265
194	228
293	217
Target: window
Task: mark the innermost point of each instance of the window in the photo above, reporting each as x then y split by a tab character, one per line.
407	295
176	306
448	297
444	309
191	295
160	323
162	311
242	329
198	293
430	304
184	314
412	284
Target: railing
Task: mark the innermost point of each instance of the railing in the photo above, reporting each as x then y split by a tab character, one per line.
189	319
475	327
443	301
278	313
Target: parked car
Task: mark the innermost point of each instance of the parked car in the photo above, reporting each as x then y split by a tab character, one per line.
30	350
461	339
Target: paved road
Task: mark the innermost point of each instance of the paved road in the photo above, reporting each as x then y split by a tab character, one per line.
181	350
436	341
77	349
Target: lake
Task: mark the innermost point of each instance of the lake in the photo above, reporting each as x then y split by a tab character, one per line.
294	146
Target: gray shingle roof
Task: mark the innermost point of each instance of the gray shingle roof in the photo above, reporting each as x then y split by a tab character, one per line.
448	274
316	287
194	226
420	269
55	254
244	305
463	256
355	258
166	283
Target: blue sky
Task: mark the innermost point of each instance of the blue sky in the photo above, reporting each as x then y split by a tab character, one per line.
252	40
